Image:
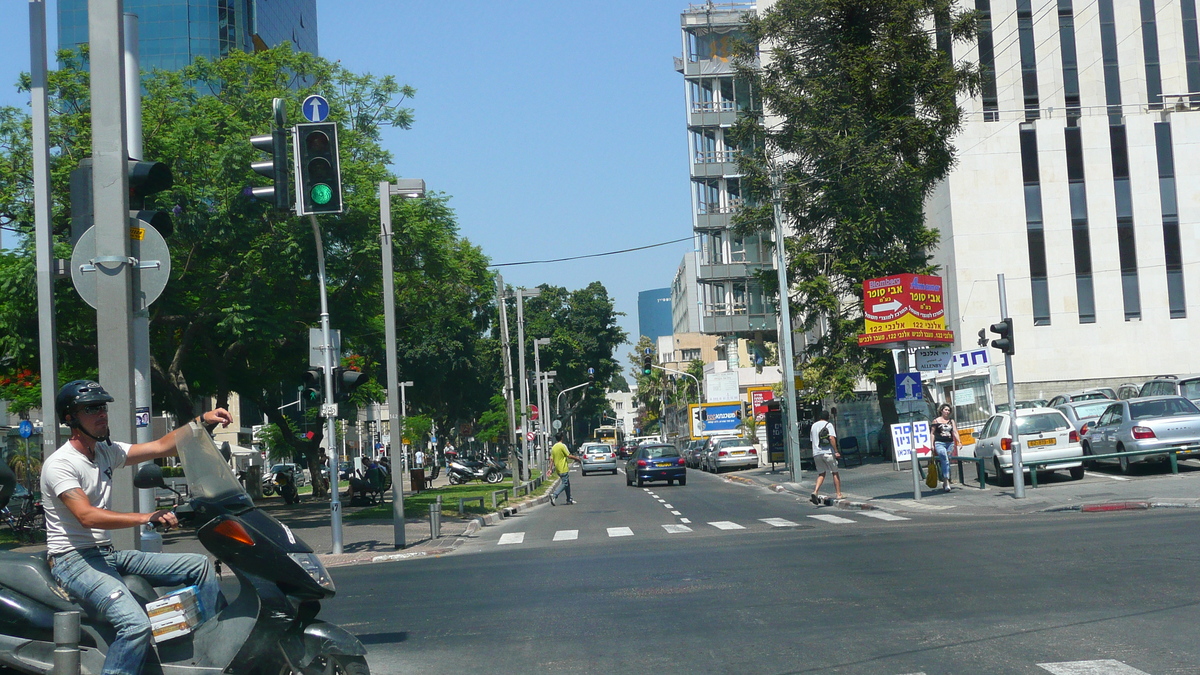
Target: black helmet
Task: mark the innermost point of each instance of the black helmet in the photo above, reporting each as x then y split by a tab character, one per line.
79	393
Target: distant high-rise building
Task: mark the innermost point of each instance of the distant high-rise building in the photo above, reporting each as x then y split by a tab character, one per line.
685	294
172	33
654	313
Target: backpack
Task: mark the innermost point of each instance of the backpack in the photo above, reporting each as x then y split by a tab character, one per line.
823	435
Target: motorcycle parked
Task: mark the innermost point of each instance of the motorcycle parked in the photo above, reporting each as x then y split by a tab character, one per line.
284	481
270	627
460	471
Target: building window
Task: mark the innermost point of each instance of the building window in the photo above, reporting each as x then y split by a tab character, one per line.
1108	50
1150	53
1034	229
1077	191
1170	213
987	62
618	406
1029	82
1070	62
1191	47
1126	242
689	354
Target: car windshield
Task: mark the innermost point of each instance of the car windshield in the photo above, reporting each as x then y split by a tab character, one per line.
1089	396
1190	388
656	451
1091	409
282	467
729	443
597	449
1041	422
1168	407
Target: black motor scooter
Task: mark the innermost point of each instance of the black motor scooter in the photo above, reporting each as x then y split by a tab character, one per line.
270	627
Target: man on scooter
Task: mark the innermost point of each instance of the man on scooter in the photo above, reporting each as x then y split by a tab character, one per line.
77	492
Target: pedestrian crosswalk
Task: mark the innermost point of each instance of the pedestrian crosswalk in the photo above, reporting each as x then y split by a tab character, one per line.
1095	667
686	526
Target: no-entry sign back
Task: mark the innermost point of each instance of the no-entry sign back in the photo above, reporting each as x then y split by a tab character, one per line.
904	310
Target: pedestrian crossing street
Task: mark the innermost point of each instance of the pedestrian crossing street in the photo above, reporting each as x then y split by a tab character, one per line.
686	526
1096	667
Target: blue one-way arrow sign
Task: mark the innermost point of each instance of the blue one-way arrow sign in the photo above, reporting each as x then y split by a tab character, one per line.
908	387
315	108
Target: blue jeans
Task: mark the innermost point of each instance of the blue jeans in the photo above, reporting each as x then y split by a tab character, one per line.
943	451
92	577
564	484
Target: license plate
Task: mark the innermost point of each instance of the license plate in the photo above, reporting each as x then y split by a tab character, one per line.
1043	441
738	453
663	464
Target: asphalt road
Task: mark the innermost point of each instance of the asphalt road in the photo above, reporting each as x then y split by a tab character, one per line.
929	594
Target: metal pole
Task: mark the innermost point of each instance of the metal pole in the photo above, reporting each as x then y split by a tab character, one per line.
506	359
114	268
48	355
785	342
66	643
404	417
329	409
537	382
1018	465
524	384
393	367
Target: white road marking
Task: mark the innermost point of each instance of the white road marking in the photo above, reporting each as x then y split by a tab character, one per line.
726	525
685	520
674	513
1099	667
620	532
914	504
1103	475
676	529
834	519
883	515
668	506
511	538
779	522
566	535
661	501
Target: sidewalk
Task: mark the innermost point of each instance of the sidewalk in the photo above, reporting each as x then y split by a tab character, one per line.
875	485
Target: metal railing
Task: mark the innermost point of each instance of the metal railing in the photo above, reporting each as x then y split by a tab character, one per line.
1172	455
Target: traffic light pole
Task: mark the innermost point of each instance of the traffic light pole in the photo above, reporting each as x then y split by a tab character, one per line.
393	371
792	435
1018	465
506	358
329	409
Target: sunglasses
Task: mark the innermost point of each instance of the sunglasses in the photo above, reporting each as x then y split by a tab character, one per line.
94	409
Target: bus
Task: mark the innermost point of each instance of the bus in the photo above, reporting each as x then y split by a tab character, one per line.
609	434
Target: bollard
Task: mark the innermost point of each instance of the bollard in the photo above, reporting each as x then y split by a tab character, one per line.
66	643
435	519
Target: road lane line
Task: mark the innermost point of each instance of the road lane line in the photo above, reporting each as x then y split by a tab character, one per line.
685	520
1098	667
620	532
675	513
676	529
511	538
566	535
668	506
726	525
661	501
834	519
779	522
883	515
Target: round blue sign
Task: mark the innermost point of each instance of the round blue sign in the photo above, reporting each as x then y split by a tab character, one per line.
315	108
25	428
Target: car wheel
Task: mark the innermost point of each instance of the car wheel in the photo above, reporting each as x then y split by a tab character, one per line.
1077	473
1002	479
614	472
628	479
1087	452
683	481
582	472
670	481
1126	465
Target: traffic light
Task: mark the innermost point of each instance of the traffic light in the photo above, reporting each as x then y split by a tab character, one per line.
318	172
1005	330
982	337
591	377
145	178
647	368
345	381
276	168
314	384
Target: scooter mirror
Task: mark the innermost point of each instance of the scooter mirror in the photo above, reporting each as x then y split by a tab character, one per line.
225	451
149	476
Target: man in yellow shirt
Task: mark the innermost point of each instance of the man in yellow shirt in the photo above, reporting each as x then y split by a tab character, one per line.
561	459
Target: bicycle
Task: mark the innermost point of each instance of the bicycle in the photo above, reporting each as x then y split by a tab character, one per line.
25	516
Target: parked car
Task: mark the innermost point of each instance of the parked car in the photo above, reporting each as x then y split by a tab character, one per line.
654	462
1081	414
1099	393
626	449
597	457
1023	405
709	444
1128	391
1044	434
1187	386
1144	424
728	453
691	453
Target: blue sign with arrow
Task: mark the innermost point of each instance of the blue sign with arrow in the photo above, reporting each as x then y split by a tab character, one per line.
315	108
908	387
25	428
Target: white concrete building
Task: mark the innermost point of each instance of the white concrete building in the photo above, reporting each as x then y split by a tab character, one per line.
1075	180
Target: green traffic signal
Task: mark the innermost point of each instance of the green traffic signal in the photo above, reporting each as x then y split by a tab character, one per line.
321	194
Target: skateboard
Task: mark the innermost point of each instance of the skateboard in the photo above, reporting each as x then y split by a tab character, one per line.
821	500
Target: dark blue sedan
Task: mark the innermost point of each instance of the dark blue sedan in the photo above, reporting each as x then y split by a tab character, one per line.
656	461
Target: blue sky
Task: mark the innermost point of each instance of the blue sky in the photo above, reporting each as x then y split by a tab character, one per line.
556	127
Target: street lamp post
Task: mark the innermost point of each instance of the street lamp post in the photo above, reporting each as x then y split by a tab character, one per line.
409	189
404	419
523	293
537	377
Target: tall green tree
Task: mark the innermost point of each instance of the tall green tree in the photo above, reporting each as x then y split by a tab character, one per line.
860	111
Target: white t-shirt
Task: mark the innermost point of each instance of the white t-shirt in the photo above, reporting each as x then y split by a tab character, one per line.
67	469
420	458
818	448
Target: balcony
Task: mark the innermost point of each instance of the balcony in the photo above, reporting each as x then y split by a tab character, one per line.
725	324
712	114
714	216
715	163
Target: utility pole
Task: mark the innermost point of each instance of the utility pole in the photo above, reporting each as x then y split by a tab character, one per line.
523	293
792	425
1018	464
543	412
506	358
114	278
329	409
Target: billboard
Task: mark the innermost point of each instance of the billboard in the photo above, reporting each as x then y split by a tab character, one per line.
715	419
759	397
904	310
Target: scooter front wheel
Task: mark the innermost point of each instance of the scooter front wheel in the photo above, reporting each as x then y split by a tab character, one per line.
494	477
332	663
454	479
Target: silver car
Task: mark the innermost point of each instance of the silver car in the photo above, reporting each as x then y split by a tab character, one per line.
729	452
1082	413
1156	422
598	457
1044	434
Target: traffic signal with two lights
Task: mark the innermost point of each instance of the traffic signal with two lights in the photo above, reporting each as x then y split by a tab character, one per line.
314	385
345	381
276	168
318	172
1004	330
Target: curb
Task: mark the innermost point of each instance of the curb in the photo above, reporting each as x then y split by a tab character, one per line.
845	504
1114	506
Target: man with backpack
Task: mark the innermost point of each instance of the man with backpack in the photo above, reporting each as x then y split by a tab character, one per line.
825	454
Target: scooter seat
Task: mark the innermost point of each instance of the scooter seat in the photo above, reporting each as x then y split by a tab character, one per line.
29	575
